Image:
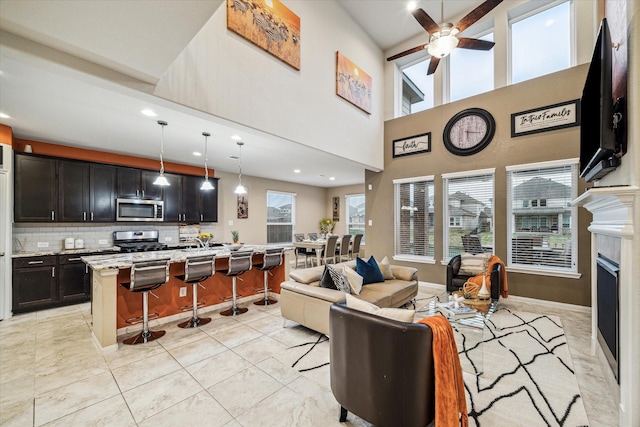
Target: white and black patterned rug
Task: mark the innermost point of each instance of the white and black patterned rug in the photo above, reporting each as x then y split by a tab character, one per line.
527	373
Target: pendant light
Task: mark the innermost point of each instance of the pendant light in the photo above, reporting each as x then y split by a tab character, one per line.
206	185
161	180
240	188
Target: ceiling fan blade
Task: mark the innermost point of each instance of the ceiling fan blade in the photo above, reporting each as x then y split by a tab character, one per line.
407	52
477	13
475	44
425	20
433	64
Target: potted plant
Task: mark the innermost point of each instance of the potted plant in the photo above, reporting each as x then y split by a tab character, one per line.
235	245
235	236
326	225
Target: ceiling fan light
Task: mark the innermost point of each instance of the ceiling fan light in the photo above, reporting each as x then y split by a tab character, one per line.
441	46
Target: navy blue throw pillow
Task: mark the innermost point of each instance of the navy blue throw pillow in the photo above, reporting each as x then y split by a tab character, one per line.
369	270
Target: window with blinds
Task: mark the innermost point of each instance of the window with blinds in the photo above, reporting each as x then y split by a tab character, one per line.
280	217
542	222
468	212
355	214
414	218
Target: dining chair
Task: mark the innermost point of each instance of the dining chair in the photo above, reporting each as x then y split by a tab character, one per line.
302	252
329	251
342	253
354	251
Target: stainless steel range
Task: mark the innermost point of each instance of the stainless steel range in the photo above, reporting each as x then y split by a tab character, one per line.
138	241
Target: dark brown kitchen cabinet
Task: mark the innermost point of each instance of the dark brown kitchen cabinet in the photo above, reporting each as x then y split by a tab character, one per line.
209	203
102	195
34	283
86	192
185	202
137	184
36	190
74	280
73	191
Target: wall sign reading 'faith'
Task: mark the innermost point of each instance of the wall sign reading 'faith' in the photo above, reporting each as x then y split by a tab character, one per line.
412	145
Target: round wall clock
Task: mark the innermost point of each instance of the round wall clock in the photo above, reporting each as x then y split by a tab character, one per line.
469	131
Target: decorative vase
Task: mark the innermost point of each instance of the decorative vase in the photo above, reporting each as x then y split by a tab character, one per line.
483	293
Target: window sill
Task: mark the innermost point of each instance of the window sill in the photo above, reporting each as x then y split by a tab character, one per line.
414	258
544	272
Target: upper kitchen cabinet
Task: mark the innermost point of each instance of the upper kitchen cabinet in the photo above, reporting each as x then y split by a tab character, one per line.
102	197
209	203
73	191
86	192
36	191
183	200
137	184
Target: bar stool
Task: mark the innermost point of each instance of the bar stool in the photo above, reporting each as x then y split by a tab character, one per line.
196	270
272	259
145	277
239	263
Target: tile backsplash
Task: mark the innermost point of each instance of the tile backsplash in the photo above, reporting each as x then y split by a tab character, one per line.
26	237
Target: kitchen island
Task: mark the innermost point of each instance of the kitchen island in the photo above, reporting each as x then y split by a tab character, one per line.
112	304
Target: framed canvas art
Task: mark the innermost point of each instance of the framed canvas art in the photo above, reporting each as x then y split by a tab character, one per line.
353	84
268	24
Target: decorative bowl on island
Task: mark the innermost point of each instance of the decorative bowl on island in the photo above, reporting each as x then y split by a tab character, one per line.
233	246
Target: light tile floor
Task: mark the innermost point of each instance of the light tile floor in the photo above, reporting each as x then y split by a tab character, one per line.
231	372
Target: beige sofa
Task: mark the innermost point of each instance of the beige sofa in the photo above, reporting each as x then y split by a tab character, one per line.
305	302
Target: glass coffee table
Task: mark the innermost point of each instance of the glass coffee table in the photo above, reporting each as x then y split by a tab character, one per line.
470	332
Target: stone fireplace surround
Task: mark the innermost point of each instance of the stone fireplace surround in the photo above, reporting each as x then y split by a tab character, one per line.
615	209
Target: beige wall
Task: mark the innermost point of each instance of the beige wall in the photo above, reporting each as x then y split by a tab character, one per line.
501	152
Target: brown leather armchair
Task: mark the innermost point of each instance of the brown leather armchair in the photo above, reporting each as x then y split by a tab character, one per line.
381	369
456	281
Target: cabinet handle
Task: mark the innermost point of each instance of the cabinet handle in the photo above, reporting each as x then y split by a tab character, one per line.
86	269
201	218
137	193
53	272
53	215
84	216
35	262
91	216
143	194
74	259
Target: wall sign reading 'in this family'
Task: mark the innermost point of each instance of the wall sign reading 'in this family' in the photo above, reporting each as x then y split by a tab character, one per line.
412	145
551	117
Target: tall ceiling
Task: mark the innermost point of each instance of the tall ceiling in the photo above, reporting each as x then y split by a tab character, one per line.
78	72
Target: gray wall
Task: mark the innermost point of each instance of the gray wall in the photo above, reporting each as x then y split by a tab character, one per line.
501	152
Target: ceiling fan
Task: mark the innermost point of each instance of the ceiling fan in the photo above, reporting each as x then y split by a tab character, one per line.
442	38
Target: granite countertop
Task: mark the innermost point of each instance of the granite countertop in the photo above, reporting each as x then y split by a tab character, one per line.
120	261
65	252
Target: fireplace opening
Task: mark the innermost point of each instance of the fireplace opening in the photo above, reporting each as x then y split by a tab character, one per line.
608	311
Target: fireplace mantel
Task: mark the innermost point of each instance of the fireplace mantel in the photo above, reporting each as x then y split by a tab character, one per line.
614	210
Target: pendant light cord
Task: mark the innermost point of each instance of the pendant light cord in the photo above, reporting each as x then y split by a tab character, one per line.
206	169
162	124
240	163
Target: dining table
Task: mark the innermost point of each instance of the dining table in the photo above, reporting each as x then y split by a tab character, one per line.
316	245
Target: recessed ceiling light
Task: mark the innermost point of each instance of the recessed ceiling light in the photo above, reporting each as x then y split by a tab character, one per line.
296	171
332	178
4	116
236	138
197	153
411	6
148	112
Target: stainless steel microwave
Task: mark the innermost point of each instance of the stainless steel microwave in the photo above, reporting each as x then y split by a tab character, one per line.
139	210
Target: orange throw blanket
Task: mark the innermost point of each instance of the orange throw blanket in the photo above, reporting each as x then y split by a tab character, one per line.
504	292
451	404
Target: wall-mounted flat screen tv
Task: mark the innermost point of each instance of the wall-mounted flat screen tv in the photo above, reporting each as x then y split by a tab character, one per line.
597	137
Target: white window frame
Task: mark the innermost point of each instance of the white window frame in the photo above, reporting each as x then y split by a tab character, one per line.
530	9
425	259
293	215
400	70
348	218
571	272
446	68
445	206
